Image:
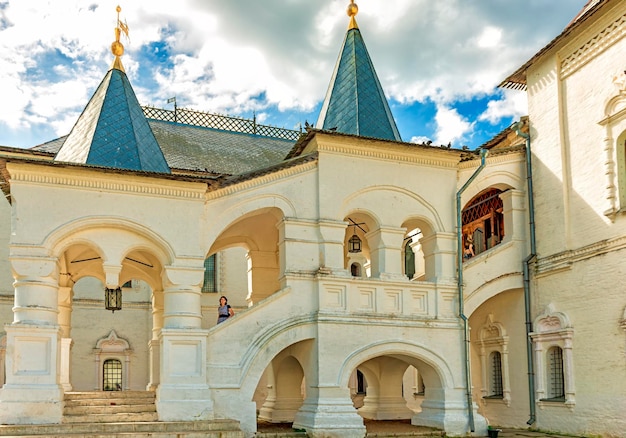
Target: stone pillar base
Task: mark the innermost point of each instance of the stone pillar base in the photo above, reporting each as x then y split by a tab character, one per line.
189	403
283	410
330	418
451	417
37	404
183	393
385	408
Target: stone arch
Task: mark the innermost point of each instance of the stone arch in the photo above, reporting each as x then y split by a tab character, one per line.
485	291
285	383
82	229
236	212
271	343
409	351
356	202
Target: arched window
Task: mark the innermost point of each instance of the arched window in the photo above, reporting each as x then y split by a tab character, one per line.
355	270
112	375
483	220
409	260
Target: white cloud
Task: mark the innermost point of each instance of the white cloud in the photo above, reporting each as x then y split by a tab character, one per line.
451	126
513	104
248	55
490	37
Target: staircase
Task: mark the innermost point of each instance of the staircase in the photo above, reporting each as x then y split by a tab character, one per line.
120	414
110	407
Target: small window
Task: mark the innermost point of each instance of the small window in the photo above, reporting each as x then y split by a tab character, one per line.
210	275
360	382
112	375
355	270
496	374
556	387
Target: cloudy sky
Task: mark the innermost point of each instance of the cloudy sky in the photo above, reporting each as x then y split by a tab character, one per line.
439	61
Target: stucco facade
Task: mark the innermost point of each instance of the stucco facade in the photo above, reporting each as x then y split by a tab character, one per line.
323	337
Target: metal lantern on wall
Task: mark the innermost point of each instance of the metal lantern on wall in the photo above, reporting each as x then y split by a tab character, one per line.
113	299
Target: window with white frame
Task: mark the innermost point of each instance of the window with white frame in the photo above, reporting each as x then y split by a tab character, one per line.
112	357
553	338
494	355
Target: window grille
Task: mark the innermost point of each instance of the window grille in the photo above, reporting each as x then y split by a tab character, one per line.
484	221
556	379
210	275
496	374
112	375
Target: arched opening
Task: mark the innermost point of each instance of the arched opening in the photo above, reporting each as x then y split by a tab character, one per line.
243	263
483	222
394	387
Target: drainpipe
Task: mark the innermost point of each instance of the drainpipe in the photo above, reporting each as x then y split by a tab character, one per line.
459	264
517	127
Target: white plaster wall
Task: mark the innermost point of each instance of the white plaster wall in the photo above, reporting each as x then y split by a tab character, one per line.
593	296
570	167
508	309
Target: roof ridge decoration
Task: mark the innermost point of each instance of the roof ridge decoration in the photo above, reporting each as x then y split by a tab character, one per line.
355	102
112	130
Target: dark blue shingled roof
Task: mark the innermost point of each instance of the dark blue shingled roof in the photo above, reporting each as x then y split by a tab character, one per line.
355	102
112	131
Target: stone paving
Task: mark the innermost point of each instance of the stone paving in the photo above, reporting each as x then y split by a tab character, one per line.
399	428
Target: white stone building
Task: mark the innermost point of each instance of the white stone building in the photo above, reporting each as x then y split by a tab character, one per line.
341	251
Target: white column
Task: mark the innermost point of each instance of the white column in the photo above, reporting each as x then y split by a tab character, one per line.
32	393
332	248
154	344
65	322
386	246
440	256
262	275
183	393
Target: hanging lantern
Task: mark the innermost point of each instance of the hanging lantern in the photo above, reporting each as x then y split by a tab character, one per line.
113	299
354	244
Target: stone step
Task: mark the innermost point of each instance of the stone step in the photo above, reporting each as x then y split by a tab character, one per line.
108	409
170	429
105	395
125	417
109	402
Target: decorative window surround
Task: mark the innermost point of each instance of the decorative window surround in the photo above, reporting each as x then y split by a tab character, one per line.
614	123
112	347
553	329
492	337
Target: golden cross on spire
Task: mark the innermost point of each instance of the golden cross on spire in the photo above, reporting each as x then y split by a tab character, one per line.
353	9
117	48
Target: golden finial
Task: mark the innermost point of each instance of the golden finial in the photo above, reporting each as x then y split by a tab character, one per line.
117	48
353	9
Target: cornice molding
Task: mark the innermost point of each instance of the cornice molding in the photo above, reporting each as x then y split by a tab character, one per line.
400	152
256	181
594	46
564	260
89	181
514	154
